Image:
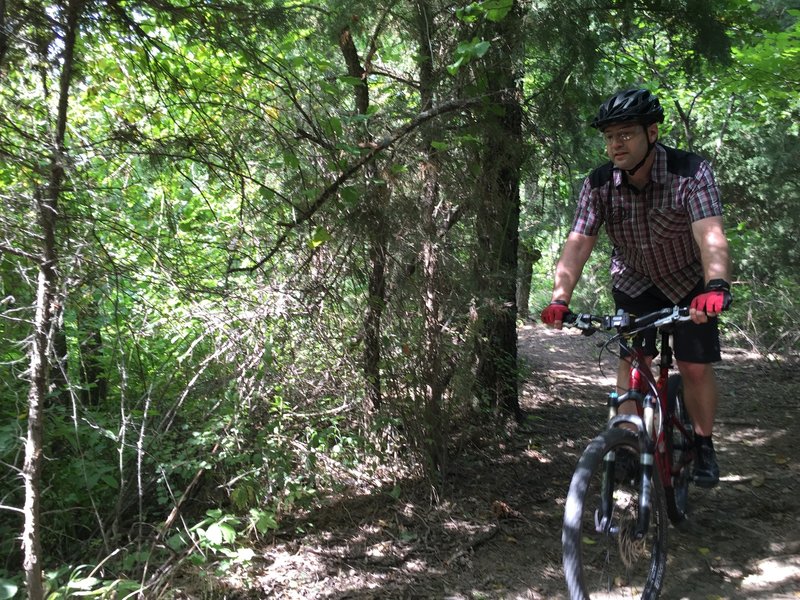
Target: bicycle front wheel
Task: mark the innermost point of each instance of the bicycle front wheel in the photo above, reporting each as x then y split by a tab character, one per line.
603	556
679	435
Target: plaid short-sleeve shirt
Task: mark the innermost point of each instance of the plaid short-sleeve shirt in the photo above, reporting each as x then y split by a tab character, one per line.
651	229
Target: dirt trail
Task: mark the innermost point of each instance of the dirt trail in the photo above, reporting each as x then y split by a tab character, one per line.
496	534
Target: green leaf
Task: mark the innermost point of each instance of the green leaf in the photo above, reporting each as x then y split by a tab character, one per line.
263	520
8	589
290	160
335	125
496	10
453	68
85	583
354	81
479	49
349	195
329	88
110	481
319	237
177	542
220	533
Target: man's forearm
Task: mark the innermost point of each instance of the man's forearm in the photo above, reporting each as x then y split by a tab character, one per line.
714	253
577	250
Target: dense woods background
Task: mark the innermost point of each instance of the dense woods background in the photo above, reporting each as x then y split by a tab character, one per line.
254	253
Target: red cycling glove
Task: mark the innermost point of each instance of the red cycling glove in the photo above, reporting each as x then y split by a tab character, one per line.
555	311
716	298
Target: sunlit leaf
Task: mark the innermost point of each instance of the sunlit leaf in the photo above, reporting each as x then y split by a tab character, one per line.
496	10
319	237
8	589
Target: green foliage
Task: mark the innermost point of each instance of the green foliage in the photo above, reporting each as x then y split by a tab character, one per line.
491	10
466	52
8	589
215	237
218	533
82	581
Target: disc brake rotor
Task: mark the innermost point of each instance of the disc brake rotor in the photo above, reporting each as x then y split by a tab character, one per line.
630	548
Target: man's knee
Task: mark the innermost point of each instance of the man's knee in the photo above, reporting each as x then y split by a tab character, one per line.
695	372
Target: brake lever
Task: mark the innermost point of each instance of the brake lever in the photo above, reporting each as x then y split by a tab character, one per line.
582	322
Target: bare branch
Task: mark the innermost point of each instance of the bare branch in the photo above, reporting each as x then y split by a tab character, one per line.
331	190
22	253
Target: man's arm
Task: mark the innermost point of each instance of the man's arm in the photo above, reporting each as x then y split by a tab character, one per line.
576	252
710	237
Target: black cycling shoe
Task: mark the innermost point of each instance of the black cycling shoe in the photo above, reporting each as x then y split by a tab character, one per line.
706	470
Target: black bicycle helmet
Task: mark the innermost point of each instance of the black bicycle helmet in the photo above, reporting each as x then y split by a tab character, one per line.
637	105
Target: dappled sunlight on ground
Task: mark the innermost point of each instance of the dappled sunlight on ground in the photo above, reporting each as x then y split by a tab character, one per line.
773	572
492	531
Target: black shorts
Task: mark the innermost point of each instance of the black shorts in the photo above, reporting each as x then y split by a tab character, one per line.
691	342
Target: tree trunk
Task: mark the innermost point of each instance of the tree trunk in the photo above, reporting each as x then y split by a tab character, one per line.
375	200
527	257
32	467
47	309
3	34
498	219
433	377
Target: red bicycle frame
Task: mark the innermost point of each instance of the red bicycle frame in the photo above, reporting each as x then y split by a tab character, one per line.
643	381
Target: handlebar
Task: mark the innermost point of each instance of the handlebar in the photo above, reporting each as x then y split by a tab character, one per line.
625	322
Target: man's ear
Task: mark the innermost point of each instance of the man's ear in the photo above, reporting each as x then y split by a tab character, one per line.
652	132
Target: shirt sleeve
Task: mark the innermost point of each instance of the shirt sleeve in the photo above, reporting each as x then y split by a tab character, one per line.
588	215
704	199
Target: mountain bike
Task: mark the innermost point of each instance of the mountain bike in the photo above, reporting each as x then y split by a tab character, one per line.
634	476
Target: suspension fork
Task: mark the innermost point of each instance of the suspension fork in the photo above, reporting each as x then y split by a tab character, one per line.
665	365
647	435
603	519
647	463
645	423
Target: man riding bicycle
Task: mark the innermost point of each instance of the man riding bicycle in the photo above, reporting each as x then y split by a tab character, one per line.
663	214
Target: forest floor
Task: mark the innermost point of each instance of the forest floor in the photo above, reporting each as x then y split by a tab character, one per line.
495	532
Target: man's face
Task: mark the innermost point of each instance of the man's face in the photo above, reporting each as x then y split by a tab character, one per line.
626	143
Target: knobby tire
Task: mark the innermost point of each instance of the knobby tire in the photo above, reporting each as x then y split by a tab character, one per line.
611	563
680	446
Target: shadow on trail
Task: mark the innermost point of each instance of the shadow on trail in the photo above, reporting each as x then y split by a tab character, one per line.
494	533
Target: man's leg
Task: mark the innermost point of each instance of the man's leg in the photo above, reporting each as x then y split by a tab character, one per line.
701	398
700	395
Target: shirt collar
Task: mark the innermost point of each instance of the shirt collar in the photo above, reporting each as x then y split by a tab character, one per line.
658	173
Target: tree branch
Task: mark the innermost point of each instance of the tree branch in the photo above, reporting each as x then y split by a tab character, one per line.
331	190
23	254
